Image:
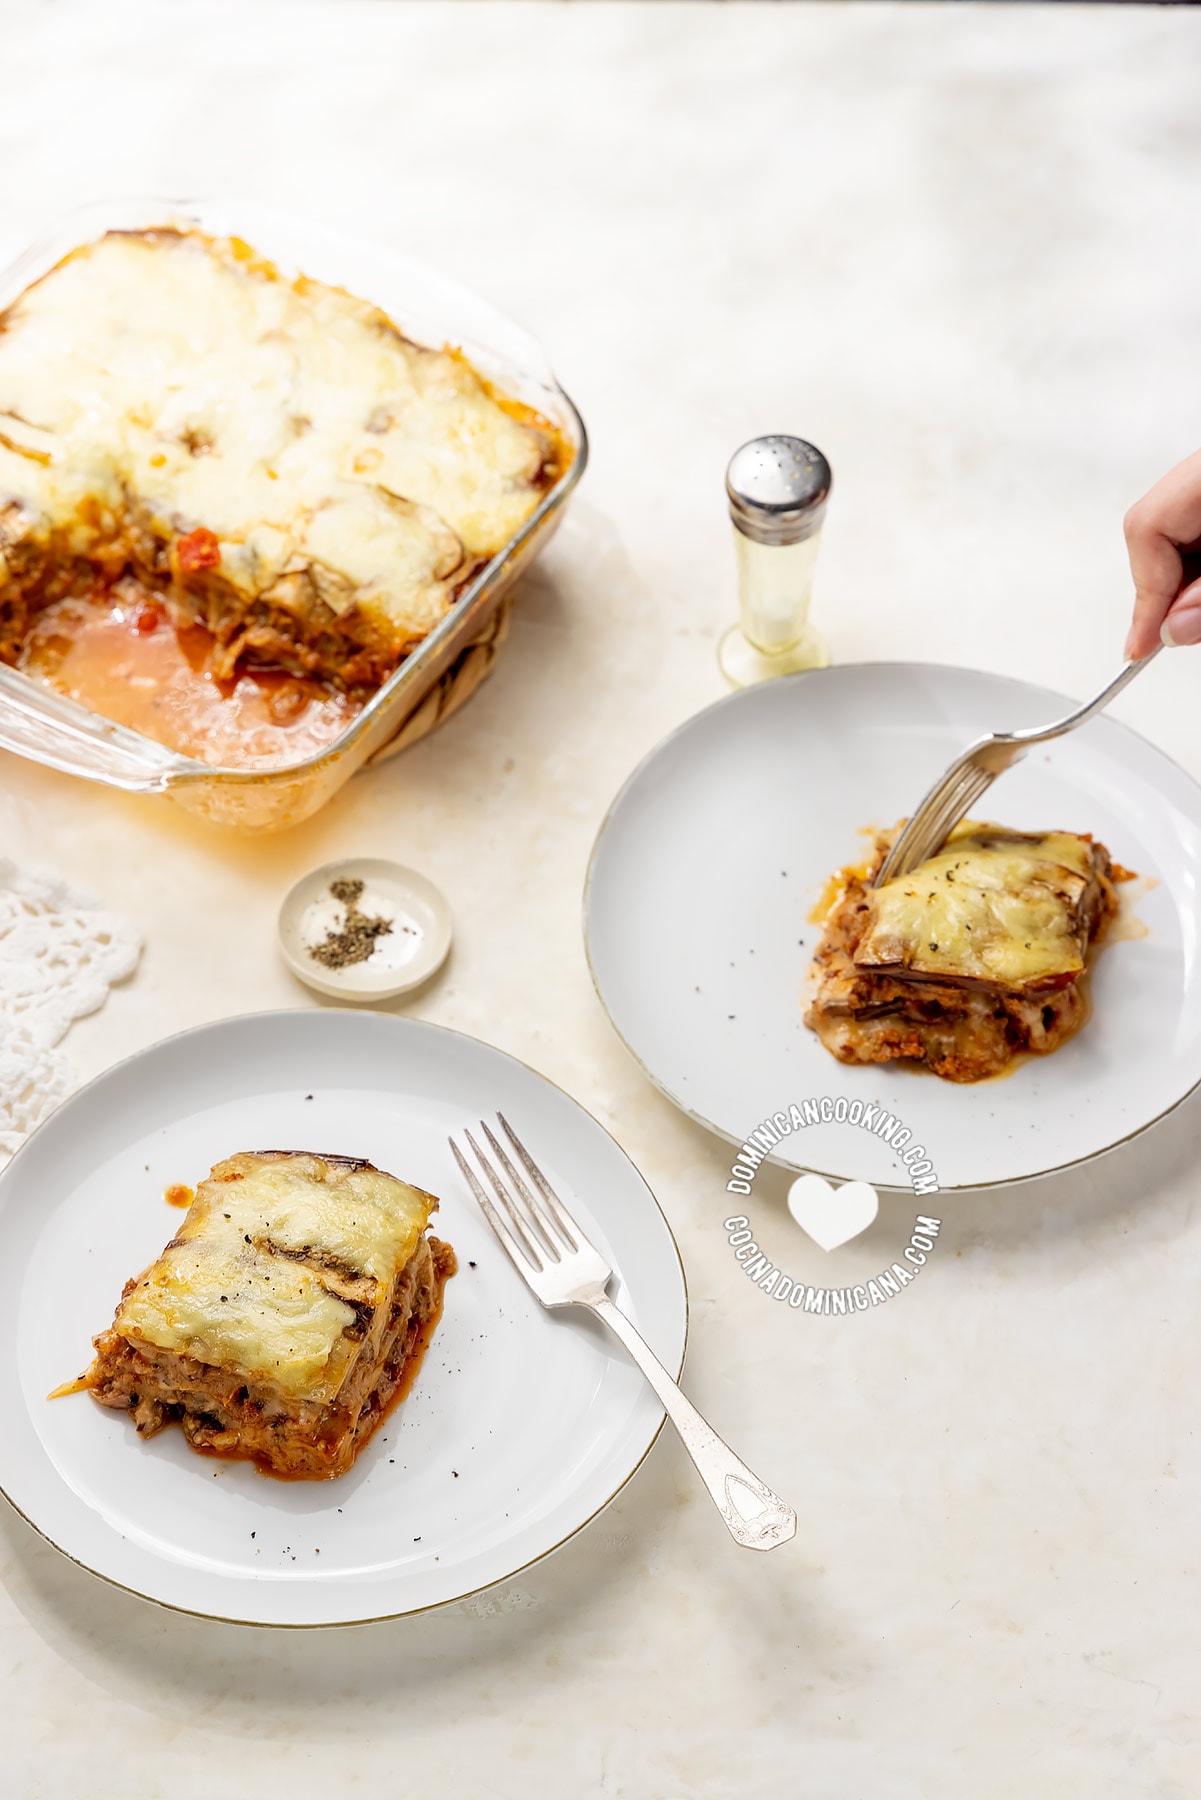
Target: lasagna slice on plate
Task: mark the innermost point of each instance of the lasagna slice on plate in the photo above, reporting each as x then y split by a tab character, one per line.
969	959
285	1316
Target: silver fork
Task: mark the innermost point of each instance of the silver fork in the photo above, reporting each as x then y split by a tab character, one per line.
563	1268
954	794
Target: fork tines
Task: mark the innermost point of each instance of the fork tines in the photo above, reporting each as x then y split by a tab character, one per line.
950	800
536	1227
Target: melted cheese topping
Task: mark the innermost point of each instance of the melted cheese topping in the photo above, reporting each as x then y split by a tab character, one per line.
992	906
293	421
267	1319
351	1214
251	1283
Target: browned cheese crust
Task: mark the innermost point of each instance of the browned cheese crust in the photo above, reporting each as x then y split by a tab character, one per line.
307	617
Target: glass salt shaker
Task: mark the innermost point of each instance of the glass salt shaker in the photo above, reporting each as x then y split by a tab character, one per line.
778	487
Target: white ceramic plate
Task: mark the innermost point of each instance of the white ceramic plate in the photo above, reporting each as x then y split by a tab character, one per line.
522	1424
717	849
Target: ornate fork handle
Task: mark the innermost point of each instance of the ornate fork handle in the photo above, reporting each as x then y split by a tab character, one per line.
754	1516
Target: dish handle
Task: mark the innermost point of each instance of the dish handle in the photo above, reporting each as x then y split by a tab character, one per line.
48	728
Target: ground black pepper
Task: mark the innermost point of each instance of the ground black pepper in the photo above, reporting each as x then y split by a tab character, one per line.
356	940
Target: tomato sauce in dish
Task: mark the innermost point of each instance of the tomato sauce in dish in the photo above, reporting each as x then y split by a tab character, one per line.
118	654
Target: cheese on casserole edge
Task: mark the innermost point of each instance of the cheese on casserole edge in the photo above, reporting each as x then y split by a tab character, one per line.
222	1294
992	906
289	418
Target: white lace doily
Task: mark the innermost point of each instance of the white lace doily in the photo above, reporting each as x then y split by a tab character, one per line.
60	952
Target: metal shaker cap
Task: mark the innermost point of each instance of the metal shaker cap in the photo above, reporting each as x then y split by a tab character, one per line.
778	487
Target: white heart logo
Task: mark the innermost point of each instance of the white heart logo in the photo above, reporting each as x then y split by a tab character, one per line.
832	1216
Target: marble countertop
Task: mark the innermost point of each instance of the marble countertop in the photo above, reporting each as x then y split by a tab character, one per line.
951	244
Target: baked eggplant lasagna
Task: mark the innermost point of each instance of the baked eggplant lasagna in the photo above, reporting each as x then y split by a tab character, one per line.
285	1316
972	957
269	457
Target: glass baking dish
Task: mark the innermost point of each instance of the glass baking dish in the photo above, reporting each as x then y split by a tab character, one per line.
430	309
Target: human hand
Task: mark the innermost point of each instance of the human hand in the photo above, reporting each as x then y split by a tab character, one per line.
1163	541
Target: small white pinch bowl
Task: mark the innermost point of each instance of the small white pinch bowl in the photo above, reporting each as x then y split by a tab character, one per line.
402	958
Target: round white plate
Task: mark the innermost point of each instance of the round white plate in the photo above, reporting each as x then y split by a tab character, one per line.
402	958
521	1425
717	849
